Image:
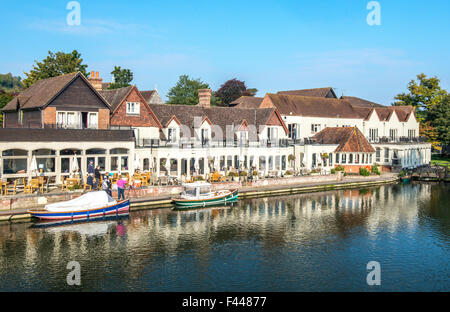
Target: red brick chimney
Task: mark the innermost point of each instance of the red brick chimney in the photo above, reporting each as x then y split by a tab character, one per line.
204	97
96	81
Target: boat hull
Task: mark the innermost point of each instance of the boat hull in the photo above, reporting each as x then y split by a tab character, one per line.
186	203
120	207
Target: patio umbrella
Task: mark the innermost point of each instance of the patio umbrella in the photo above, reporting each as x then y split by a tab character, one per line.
319	159
241	161
137	162
168	166
196	166
33	165
74	167
150	163
217	164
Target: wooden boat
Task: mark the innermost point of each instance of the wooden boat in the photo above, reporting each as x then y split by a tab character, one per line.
90	205
406	179
200	195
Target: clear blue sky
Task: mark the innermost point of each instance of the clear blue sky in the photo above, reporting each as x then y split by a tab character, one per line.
271	45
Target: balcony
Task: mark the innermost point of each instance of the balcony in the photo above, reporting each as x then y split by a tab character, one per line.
401	140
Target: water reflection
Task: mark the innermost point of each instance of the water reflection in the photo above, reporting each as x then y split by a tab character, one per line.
318	241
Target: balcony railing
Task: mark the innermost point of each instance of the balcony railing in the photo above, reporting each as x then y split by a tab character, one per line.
397	140
185	144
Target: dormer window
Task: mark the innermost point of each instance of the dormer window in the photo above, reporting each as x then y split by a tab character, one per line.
133	108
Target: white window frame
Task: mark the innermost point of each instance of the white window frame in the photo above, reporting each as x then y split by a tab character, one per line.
133	108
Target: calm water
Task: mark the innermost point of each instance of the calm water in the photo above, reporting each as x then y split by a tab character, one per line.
313	242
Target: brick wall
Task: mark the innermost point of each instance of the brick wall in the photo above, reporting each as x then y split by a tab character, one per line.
354	168
103	118
49	115
144	119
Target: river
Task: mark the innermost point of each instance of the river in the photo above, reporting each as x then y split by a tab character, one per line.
309	242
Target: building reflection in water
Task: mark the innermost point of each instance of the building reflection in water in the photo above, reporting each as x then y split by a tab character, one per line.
127	248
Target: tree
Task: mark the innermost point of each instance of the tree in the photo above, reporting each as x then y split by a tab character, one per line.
122	78
186	91
428	131
56	64
423	95
9	83
5	98
439	118
232	90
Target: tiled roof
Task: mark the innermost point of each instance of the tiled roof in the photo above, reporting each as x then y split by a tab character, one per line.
355	101
43	92
64	135
312	106
220	116
403	112
316	92
147	95
115	96
40	93
349	140
247	102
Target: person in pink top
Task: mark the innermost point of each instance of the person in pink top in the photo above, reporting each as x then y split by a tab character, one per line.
121	188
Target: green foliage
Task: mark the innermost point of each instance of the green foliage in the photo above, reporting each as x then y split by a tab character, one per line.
314	171
122	78
364	172
333	171
432	104
288	173
9	83
375	169
243	173
340	168
232	90
5	98
255	173
402	173
233	174
56	64
185	92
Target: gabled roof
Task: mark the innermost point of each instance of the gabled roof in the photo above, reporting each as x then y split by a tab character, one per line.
349	140
403	112
147	95
316	92
40	94
219	116
116	96
247	102
311	106
358	102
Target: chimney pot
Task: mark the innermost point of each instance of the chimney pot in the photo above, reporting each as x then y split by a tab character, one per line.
96	75
92	74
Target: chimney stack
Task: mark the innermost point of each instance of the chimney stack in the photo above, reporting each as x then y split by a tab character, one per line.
204	97
96	81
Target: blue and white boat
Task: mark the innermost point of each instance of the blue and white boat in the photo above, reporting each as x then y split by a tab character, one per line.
90	205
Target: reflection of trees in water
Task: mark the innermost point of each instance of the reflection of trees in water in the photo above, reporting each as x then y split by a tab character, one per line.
158	236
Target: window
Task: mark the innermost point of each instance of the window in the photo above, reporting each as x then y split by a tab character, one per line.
293	131
172	135
373	134
386	154
272	134
337	158
411	134
93	120
393	134
344	158
315	128
133	108
378	154
350	158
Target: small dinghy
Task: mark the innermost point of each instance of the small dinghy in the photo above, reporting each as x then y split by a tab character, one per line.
90	205
200	195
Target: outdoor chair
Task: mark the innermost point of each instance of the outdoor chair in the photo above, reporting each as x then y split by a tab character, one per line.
164	180
13	190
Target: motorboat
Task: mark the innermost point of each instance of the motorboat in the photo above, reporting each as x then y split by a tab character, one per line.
200	195
90	205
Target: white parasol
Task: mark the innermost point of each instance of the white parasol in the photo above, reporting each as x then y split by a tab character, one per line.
74	167
319	159
137	162
150	163
168	166
217	164
196	166
33	165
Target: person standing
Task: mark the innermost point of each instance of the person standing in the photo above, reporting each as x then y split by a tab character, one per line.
120	188
90	168
97	176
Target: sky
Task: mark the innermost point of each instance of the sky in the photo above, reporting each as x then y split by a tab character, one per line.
271	45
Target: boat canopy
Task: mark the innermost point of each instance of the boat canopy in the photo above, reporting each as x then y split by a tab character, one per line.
197	185
91	200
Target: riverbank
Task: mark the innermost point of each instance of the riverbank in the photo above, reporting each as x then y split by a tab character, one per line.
14	208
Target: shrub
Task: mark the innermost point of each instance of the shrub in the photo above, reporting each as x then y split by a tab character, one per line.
364	172
255	173
288	173
375	169
340	168
333	171
314	171
233	174
243	173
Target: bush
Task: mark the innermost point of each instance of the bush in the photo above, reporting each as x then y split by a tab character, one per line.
255	173
243	173
340	168
314	171
402	173
375	169
288	173
364	172
233	174
333	171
